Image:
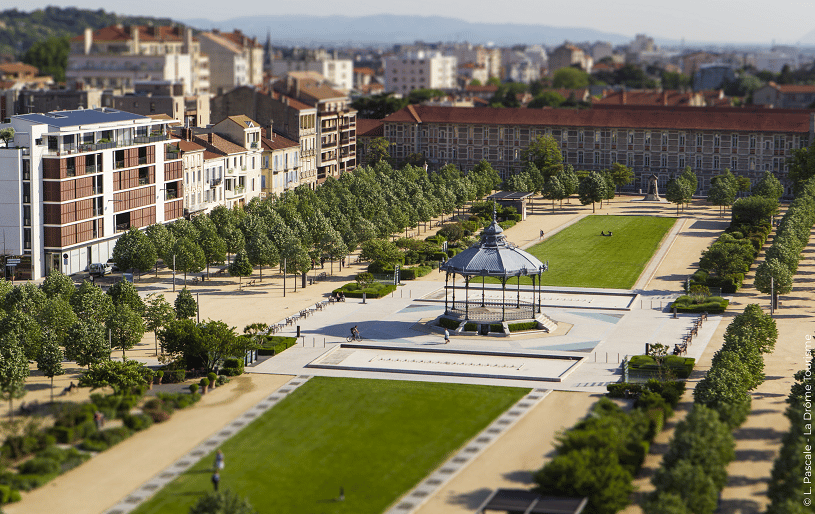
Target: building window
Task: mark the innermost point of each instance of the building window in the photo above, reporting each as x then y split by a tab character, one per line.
698	139
752	142
734	162
579	157
614	137
580	136
663	161
752	164
682	161
646	160
647	139
698	162
716	162
630	137
682	139
716	141
664	139
734	140
596	158
629	159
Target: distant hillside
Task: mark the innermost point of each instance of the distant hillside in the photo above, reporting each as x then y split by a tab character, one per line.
306	30
19	29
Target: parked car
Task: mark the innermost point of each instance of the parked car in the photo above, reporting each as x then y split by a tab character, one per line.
99	269
113	265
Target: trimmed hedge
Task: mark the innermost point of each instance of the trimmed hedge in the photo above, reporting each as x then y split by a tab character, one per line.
414	273
174	376
470	327
711	305
450	324
232	367
520	327
378	290
681	366
272	345
671	390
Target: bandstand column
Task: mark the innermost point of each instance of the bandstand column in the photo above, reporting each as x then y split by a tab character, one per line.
503	298
482	289
466	297
539	292
446	280
454	291
518	298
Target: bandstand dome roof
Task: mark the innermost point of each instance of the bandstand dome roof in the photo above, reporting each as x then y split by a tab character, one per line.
494	256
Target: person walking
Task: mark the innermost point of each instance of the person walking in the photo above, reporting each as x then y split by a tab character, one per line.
446	336
219	460
216	479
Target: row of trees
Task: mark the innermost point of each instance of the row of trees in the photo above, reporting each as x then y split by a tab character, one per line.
694	470
305	225
775	275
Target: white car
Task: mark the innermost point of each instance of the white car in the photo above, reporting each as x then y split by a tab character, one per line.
99	269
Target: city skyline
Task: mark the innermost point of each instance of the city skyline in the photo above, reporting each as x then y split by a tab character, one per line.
693	20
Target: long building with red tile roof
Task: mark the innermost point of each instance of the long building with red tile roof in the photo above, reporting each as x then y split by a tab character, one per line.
651	140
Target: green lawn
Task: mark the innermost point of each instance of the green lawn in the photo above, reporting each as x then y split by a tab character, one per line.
375	438
580	257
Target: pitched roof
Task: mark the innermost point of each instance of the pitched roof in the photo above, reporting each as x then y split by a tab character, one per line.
667	97
291	102
217	144
370	128
240	39
678	118
146	34
189	146
243	121
364	71
17	67
278	143
488	88
792	88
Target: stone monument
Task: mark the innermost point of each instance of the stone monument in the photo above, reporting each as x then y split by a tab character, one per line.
653	192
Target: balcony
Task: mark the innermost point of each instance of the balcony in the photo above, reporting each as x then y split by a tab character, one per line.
215	182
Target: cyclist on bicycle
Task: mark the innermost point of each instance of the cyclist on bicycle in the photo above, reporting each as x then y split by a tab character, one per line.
355	333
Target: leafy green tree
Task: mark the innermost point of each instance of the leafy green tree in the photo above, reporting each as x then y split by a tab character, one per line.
261	251
87	343
126	328
517	182
25	330
554	190
13	370
592	189
546	99
6	135
725	390
49	361
234	239
241	266
678	191
754	210
26	298
378	106
222	502
189	257
213	246
723	189
595	473
134	250
57	317
91	303
675	80
772	277
58	283
569	180
378	150
333	246
162	240
802	165
185	305
49	56
570	78
621	174
158	313
380	250
727	256
544	152
753	323
203	344
691	484
121	376
768	186
124	293
665	503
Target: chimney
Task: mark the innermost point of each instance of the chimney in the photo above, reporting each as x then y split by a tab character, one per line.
664	98
271	130
623	98
188	41
88	40
134	35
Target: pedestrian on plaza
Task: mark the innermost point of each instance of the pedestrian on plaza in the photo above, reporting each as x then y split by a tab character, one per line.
219	460
446	336
216	479
541	234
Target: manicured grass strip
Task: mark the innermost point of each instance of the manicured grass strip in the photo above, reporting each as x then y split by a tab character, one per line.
580	257
374	438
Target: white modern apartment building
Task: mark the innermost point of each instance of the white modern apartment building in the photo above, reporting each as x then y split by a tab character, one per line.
73	181
422	69
117	57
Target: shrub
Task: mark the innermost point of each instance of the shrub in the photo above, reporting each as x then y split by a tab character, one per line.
104	439
25	482
8	495
376	290
193	388
519	327
39	466
211	377
679	366
221	380
496	327
204	382
137	422
17	446
232	367
470	327
439	256
174	376
160	416
450	324
711	305
272	345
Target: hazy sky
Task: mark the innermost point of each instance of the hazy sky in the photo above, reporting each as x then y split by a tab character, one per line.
737	21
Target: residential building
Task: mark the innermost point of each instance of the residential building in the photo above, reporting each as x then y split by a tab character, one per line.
292	118
775	60
652	140
281	164
74	181
117	57
339	72
785	96
567	55
163	97
487	58
666	97
197	192
601	50
336	123
234	59
367	130
422	69
470	71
